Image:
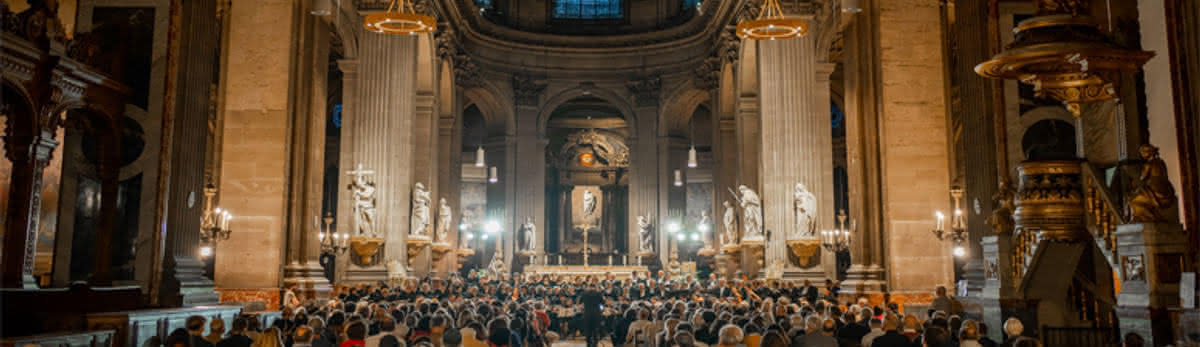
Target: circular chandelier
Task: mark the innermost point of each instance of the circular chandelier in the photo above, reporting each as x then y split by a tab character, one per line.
399	19
772	24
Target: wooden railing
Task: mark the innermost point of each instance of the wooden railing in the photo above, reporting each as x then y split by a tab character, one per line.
1024	244
1103	214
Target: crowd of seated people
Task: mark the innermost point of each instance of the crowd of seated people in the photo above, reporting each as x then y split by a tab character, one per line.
649	311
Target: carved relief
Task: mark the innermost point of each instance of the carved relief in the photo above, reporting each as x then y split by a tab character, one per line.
991	270
609	149
526	89
645	91
1133	268
708	75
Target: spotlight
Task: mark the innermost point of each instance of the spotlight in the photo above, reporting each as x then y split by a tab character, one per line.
483	237
681	237
469	236
703	228
695	237
492	227
673	227
206	251
959	251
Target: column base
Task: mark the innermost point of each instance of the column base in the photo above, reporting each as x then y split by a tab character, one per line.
973	273
184	284
309	279
864	279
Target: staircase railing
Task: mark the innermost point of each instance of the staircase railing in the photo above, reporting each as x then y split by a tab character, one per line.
1024	245
1103	213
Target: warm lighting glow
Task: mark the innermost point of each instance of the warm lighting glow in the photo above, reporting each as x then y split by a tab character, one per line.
206	251
492	227
400	18
772	24
851	6
959	251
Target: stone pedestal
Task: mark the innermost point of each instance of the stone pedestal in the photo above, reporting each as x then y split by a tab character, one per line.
1150	261
998	282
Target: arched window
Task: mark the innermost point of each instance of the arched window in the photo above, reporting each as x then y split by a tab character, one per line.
588	9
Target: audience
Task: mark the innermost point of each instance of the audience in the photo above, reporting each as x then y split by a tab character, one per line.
537	311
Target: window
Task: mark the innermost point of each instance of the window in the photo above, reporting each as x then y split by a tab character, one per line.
483	4
587	9
690	4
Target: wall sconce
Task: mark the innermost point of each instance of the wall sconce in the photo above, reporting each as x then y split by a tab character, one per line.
958	223
838	239
332	242
214	223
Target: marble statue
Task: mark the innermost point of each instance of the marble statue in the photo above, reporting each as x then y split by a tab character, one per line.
589	204
395	271
730	222
420	210
751	213
644	231
704	219
364	201
805	206
443	222
530	231
1154	197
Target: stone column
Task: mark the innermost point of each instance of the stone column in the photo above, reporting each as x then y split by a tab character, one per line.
645	196
307	171
499	205
254	149
913	141
674	208
346	159
377	130
863	152
530	177
797	145
424	137
999	285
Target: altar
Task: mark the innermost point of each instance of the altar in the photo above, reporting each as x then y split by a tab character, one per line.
619	271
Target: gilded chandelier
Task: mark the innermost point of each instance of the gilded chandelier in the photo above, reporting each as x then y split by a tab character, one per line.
400	19
772	24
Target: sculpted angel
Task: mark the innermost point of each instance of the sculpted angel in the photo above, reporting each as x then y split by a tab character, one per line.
420	210
805	208
444	219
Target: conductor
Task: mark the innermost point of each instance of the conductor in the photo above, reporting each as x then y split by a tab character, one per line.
592	299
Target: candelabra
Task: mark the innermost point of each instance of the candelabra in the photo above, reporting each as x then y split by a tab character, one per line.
332	242
958	225
838	239
214	223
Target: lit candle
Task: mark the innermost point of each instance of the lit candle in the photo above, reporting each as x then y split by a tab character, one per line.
941	220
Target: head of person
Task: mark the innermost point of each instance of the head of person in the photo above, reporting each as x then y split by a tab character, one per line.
216	327
891	323
195	325
179	338
451	338
969	330
828	326
812	324
1134	340
356	330
1013	327
941	291
730	335
936	337
303	335
774	338
876	323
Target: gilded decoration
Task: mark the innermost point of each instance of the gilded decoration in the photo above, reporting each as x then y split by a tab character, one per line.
1064	55
366	249
1001	220
806	253
1153	198
593	148
1049	199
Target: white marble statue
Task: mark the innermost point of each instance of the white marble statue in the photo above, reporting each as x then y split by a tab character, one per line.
443	222
644	232
704	219
805	205
530	231
589	204
751	213
420	210
395	271
730	223
364	201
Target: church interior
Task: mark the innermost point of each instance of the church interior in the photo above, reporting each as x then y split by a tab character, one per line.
171	159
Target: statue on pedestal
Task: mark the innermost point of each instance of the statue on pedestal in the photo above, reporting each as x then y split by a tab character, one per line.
529	230
805	206
1153	196
589	205
730	223
420	210
443	222
646	244
364	201
751	213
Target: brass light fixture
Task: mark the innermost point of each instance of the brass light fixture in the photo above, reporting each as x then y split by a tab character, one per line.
400	19
1064	55
772	24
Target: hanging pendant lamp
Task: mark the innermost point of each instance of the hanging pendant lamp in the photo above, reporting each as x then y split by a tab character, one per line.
493	175
772	24
692	163
479	155
400	19
678	178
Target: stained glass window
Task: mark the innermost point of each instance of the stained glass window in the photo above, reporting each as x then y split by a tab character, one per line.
587	9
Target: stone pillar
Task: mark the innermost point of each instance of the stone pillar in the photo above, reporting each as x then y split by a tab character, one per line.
254	149
346	160
999	284
1151	260
377	132
499	207
797	146
530	177
646	196
913	139
674	206
307	169
863	152
424	137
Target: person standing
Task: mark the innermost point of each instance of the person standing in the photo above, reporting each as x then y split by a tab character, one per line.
592	300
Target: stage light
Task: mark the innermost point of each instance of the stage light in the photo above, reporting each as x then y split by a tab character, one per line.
703	228
673	227
470	236
695	237
492	227
681	237
959	251
483	237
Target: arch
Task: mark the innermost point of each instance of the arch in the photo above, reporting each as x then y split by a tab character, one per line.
677	112
1019	126
563	96
497	111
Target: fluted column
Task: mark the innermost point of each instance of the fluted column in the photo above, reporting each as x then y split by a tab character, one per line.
530	176
379	135
797	144
346	157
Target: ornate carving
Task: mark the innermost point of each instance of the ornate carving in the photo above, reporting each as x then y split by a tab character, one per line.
420	211
447	45
608	148
1071	7
366	249
1001	219
708	75
466	72
1153	199
728	46
1050	199
39	23
527	90
804	205
1133	268
645	91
